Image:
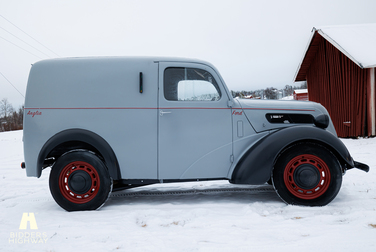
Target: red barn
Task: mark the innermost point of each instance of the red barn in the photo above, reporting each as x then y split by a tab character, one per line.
339	67
301	94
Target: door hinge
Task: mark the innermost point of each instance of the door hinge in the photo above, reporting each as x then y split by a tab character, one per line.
232	158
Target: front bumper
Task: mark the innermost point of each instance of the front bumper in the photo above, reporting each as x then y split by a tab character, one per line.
361	166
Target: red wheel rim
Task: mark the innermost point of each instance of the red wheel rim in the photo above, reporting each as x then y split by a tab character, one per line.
307	176
79	182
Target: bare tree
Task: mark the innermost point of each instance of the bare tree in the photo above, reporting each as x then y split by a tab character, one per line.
288	90
10	119
5	108
270	93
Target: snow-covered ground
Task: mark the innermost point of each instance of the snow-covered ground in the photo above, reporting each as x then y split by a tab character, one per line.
290	97
222	221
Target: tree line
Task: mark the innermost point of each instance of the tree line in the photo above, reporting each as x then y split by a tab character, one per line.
10	118
270	93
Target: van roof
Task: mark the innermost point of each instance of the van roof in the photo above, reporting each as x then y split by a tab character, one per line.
125	58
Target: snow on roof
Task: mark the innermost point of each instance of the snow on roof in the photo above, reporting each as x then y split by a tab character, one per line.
357	42
301	91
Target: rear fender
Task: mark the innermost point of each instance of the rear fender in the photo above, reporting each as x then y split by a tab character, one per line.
257	163
94	141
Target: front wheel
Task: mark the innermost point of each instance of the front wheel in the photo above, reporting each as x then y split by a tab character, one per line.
307	174
79	180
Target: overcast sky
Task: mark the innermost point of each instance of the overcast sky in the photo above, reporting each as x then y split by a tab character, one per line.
253	44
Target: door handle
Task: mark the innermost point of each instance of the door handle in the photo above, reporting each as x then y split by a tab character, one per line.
161	112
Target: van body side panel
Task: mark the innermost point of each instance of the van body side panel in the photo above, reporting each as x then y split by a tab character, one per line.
102	96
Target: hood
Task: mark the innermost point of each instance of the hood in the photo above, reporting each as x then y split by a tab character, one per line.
273	114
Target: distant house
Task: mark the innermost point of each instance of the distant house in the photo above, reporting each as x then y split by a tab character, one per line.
301	94
339	67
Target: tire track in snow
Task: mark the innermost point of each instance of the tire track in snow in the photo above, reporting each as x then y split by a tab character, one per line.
165	193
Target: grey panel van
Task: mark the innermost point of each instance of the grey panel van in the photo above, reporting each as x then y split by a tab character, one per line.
112	123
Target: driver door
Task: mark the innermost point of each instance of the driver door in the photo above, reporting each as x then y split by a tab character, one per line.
194	123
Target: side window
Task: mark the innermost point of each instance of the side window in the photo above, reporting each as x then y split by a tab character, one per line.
190	84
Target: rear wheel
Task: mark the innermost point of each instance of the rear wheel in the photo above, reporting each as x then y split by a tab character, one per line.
307	174
79	180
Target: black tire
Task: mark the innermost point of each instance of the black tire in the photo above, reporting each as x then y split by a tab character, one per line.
307	174
79	181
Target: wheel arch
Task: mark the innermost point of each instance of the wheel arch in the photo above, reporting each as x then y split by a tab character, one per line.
72	139
256	165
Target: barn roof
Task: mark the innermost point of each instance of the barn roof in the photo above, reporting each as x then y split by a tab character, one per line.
357	42
301	91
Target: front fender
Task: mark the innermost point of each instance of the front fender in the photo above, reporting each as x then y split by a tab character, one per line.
257	163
